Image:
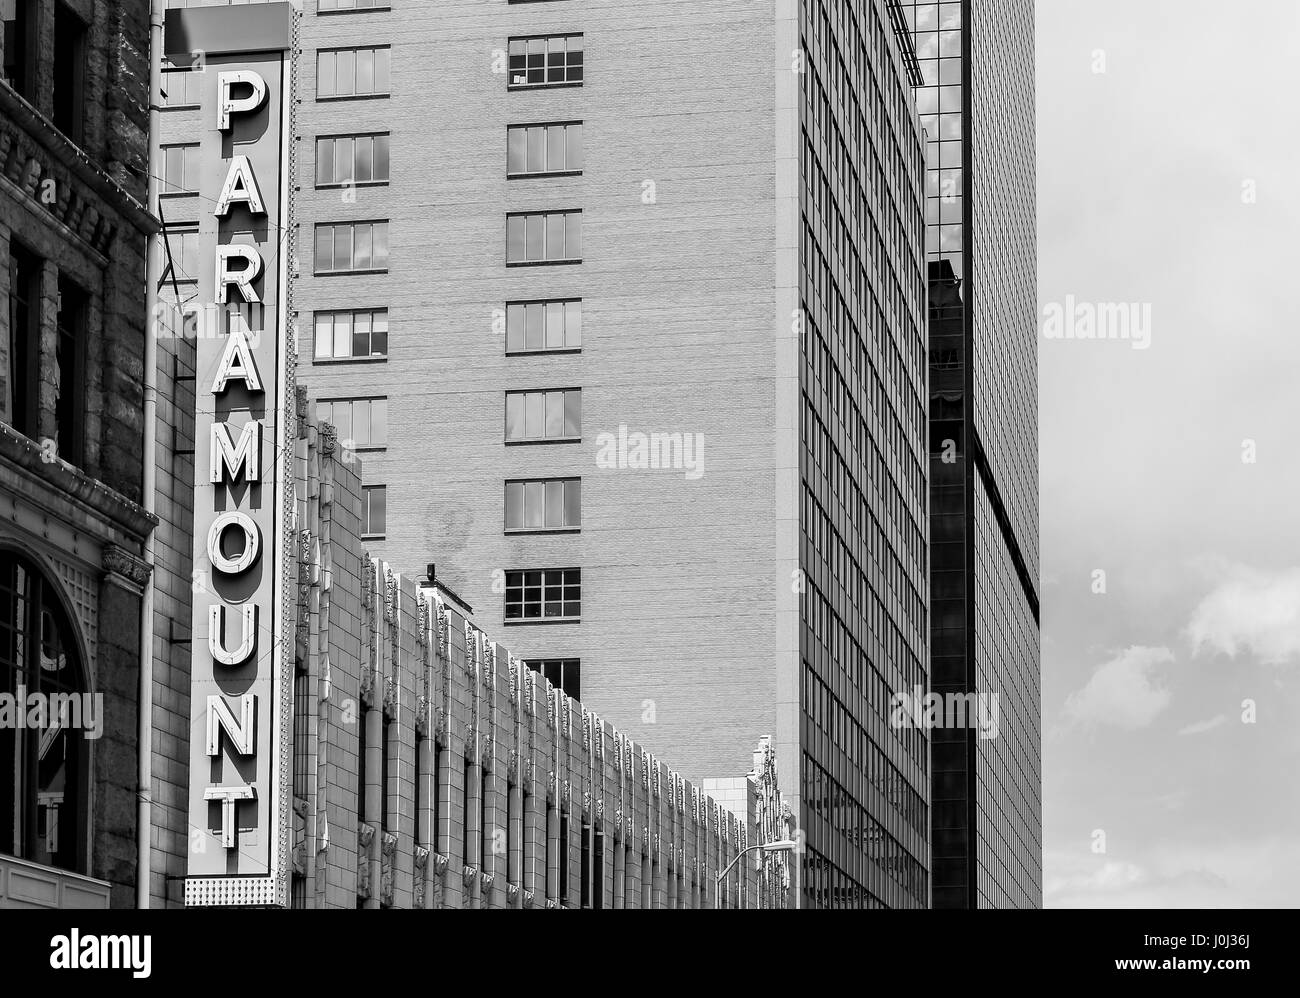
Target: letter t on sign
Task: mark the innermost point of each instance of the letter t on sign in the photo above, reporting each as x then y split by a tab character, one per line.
228	796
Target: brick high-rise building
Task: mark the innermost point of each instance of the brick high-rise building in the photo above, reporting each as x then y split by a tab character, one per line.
73	163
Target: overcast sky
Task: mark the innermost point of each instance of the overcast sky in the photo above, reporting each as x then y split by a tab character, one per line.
1145	181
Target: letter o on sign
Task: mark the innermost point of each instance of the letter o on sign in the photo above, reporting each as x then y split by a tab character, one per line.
252	542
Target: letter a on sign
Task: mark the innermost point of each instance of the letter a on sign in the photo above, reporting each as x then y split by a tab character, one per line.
240	185
237	364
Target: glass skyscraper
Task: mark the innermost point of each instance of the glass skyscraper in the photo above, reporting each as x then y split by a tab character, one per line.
977	106
864	782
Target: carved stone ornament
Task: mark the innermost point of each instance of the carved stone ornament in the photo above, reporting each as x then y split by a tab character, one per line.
365	836
125	568
387	860
421	865
390	697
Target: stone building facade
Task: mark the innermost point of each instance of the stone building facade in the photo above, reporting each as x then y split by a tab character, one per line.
73	231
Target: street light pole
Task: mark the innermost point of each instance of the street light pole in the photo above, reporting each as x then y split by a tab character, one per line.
782	845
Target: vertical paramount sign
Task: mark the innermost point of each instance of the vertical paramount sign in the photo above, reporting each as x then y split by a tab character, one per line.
241	708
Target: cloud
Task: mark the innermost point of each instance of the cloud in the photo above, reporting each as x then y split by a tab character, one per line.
1251	612
1089	881
1255	873
1200	727
1122	692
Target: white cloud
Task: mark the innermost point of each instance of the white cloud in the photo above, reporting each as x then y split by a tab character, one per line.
1251	612
1123	692
1261	873
1200	727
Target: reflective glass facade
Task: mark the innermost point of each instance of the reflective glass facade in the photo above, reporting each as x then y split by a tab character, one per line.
977	57
864	784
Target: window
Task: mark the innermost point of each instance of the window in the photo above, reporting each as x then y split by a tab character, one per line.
180	88
544	415
70	78
538	326
180	169
351	246
598	871
544	594
564	673
352	159
340	6
352	73
374	510
19	44
360	335
362	424
564	860
362	725
43	791
543	149
544	504
183	247
69	351
435	833
552	61
584	867
544	237
386	778
25	332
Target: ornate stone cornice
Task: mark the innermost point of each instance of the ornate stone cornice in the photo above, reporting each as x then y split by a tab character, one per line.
58	157
125	569
96	498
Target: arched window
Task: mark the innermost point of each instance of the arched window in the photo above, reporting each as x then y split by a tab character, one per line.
43	719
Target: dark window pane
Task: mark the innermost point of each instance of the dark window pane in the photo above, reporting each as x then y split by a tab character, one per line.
325	161
573	414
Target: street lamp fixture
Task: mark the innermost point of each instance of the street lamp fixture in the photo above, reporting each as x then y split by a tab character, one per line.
780	845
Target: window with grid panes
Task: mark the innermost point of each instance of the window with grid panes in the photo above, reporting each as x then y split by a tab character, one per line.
544	594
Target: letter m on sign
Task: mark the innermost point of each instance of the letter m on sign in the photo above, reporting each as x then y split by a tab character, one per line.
235	459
